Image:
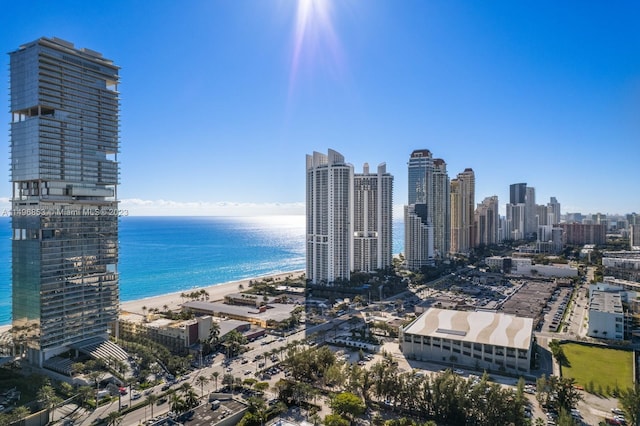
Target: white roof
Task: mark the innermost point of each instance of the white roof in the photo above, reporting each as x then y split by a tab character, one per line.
475	327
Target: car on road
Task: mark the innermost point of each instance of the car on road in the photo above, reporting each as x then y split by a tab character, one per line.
458	371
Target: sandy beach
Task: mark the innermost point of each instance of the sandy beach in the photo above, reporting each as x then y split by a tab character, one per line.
216	292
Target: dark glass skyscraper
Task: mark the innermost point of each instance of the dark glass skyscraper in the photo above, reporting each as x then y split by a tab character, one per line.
64	168
517	193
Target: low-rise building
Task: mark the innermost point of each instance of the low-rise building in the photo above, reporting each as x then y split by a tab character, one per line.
263	316
175	335
480	340
524	266
622	264
500	263
606	315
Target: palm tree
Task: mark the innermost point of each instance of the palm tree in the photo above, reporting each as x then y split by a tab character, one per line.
229	380
185	387
47	397
214	377
84	394
177	403
114	418
214	333
18	414
234	341
202	380
151	400
190	399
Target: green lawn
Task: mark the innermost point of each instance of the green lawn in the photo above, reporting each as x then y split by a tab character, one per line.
603	366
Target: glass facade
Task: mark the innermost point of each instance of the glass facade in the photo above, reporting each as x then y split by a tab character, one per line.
64	169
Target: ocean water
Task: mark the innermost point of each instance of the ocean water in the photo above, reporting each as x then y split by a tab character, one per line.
161	255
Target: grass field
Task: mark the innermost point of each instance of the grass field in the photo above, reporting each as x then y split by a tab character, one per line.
605	368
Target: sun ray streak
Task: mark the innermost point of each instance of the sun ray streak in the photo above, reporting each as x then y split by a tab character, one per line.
314	39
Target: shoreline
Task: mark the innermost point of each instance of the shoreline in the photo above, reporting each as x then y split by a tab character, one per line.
216	292
173	300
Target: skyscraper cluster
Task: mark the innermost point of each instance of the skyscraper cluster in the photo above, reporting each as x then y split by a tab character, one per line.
439	217
349	218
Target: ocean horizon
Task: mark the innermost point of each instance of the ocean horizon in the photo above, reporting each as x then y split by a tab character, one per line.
168	254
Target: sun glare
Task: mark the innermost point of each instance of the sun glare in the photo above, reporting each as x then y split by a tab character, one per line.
314	35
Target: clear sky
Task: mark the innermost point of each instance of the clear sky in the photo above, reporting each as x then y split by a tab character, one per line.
221	100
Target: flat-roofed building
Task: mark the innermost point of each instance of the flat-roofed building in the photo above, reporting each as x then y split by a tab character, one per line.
606	315
176	335
622	264
481	340
264	316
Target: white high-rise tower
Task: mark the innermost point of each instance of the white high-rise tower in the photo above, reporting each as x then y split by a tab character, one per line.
329	217
372	219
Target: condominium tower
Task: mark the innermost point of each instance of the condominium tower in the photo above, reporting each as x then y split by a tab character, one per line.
329	217
64	169
349	218
462	212
372	219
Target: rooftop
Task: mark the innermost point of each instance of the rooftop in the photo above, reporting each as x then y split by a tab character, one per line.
603	301
275	311
475	327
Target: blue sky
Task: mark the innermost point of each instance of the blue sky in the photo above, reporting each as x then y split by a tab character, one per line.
221	100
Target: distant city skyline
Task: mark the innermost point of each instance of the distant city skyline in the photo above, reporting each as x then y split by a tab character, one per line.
222	100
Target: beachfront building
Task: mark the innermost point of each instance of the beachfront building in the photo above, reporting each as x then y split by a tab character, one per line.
479	340
372	219
329	215
418	237
266	316
177	335
64	169
349	218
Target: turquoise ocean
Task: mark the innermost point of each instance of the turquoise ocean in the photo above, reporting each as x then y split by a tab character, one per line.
160	255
